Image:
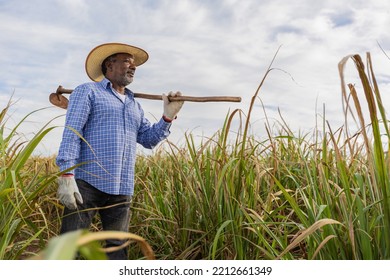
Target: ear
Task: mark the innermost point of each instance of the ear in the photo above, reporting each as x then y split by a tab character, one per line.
109	64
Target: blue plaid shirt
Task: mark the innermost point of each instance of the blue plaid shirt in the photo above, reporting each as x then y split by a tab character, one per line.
101	134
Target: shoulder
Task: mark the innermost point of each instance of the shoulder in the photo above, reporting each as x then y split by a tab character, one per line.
86	90
138	104
86	87
130	95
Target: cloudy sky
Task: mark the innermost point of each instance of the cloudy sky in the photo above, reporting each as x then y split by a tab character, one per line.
199	47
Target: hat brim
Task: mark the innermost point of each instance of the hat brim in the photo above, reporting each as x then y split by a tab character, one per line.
93	63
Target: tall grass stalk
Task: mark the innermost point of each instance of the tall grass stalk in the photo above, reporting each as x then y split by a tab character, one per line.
379	166
23	189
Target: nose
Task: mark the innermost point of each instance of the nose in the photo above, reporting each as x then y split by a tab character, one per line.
132	65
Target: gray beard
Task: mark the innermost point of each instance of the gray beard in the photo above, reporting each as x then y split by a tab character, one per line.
125	81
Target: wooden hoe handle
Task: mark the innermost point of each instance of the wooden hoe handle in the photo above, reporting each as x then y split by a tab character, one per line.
61	101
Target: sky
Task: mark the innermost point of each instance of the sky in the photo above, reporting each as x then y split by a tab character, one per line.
198	47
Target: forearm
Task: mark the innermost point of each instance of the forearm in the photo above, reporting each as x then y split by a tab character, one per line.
151	135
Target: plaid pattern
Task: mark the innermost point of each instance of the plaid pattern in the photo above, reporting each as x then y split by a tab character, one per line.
101	134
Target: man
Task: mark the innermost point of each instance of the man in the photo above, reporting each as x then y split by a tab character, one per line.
97	154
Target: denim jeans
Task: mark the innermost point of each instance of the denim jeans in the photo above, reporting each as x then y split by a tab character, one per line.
114	212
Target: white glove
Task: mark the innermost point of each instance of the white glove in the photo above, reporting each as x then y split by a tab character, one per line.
171	109
68	192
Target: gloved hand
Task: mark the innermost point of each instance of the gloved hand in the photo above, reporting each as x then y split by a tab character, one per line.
171	109
68	192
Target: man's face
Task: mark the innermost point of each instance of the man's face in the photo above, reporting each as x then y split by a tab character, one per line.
121	69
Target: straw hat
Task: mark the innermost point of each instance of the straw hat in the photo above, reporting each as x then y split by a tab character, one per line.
93	63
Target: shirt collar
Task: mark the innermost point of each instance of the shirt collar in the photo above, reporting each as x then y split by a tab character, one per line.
107	84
